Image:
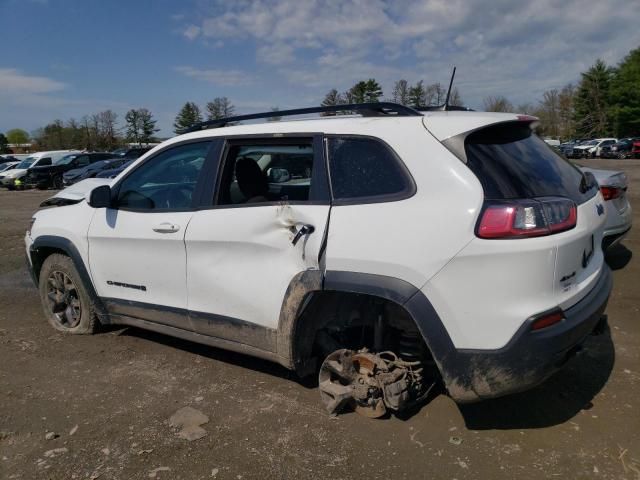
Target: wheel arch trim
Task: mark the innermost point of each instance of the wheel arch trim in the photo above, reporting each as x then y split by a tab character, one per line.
67	247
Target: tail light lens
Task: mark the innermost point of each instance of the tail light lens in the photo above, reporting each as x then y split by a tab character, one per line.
609	193
526	218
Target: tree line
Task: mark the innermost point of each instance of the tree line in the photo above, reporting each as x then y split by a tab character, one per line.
604	103
417	95
99	131
364	91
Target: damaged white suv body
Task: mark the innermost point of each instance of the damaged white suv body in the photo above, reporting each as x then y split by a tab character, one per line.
385	252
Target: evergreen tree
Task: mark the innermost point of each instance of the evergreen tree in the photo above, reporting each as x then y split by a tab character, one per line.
625	96
365	91
147	125
220	107
133	128
417	95
401	92
188	116
592	102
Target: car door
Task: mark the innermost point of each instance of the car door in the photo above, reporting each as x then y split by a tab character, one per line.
265	224
136	248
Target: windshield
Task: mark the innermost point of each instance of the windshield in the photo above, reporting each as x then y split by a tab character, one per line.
592	142
26	163
66	160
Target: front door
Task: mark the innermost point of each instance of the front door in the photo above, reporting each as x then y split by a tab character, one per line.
136	249
265	224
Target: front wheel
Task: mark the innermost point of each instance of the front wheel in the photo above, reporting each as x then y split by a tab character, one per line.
65	300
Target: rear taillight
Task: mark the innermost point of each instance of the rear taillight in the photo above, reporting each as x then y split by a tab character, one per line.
526	218
610	192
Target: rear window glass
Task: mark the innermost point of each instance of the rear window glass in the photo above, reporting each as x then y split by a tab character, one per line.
512	162
366	168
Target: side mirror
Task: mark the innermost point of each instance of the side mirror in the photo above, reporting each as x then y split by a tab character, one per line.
279	175
100	197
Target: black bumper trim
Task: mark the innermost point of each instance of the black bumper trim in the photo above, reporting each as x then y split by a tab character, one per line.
528	358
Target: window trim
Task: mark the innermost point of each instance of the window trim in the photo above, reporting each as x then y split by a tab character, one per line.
319	175
410	187
197	192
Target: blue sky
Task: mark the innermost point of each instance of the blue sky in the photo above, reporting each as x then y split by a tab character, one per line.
68	58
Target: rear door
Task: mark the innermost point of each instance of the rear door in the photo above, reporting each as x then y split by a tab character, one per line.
264	223
136	249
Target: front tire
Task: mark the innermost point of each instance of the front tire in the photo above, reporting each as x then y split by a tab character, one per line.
64	298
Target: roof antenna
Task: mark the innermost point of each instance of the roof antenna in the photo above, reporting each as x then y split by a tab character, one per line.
446	101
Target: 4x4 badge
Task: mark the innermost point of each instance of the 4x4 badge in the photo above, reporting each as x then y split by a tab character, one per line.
599	209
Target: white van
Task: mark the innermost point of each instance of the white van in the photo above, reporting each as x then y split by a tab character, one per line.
12	178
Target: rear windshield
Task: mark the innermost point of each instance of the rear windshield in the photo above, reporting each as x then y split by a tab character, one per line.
512	162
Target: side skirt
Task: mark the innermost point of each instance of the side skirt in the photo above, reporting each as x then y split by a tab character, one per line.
198	338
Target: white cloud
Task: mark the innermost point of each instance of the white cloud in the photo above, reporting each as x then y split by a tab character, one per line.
13	81
276	54
515	48
192	32
218	77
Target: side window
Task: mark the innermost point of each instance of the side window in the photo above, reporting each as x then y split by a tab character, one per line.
366	169
267	172
44	162
82	160
166	181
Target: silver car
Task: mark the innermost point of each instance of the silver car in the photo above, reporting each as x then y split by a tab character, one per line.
613	186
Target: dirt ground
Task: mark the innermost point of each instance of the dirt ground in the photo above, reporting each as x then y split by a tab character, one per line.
106	400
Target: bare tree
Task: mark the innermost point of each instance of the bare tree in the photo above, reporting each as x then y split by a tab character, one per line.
220	107
497	104
401	92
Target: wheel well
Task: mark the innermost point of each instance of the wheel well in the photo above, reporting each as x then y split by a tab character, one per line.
39	255
335	319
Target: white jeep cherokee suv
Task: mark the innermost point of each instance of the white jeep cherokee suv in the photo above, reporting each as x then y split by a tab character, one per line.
387	252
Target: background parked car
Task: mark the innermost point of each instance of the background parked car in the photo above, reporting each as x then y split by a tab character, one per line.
7	158
635	149
8	166
613	186
621	149
51	175
591	149
130	153
91	170
13	178
114	172
567	148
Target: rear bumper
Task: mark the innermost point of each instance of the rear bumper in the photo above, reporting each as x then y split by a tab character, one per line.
530	356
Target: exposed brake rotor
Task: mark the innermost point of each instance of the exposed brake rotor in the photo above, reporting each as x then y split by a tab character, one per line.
371	383
348	379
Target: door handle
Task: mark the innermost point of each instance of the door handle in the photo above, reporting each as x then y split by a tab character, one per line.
166	227
303	230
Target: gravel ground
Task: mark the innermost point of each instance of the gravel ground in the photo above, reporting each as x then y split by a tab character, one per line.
105	406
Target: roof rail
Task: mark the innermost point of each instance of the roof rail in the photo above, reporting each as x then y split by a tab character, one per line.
365	109
441	108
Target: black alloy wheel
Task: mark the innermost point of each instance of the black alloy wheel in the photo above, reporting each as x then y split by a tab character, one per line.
63	299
